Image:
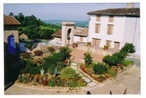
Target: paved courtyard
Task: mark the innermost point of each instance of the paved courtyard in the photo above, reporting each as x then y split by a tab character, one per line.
97	55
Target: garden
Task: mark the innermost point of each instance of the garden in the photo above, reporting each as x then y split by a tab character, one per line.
53	70
110	66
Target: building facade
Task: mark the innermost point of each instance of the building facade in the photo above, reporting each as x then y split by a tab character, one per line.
115	27
80	35
11	34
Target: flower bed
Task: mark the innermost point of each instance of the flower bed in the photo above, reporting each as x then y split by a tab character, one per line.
53	71
38	52
65	79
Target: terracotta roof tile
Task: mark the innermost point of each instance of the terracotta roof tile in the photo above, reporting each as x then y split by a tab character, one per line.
77	32
117	12
10	20
81	31
57	34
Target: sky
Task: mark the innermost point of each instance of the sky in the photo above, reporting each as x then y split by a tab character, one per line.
59	11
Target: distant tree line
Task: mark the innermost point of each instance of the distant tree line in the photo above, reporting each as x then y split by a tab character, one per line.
35	28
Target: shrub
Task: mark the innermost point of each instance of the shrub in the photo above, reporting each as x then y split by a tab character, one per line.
38	52
68	73
115	59
66	51
72	83
36	70
121	55
25	55
51	49
111	60
52	83
100	68
126	62
55	68
29	66
128	48
101	78
112	73
81	82
56	57
88	58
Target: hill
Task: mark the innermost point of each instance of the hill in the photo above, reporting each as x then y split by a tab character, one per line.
83	24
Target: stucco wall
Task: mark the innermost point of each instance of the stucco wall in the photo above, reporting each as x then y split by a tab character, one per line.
64	34
118	29
77	39
132	32
11	32
125	29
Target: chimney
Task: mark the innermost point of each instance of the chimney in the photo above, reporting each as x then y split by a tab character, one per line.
130	5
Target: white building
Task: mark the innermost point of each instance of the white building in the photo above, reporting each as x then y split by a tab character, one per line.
115	27
78	34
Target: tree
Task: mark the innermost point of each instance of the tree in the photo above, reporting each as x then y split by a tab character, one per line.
87	58
11	14
35	28
20	17
46	33
128	48
33	21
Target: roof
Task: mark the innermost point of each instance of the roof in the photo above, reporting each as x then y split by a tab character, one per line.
77	32
117	12
10	20
81	31
57	33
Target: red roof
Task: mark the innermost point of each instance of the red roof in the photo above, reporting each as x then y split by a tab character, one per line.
10	20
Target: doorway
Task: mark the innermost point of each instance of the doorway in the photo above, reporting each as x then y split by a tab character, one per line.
96	42
68	35
11	44
116	45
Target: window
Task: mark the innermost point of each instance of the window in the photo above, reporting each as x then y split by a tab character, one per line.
109	29
116	45
97	18
97	28
111	18
81	38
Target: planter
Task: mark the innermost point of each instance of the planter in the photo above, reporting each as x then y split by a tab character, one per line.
105	48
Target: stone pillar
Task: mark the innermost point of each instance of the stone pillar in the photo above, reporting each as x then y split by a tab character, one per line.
67	33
